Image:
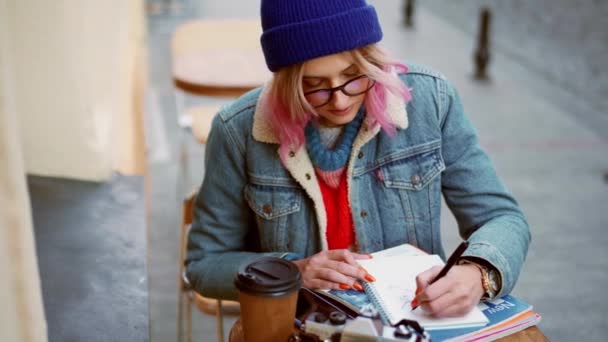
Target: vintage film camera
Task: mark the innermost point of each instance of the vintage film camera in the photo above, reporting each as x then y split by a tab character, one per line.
321	319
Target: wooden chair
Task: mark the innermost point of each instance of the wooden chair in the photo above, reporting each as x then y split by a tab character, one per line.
187	296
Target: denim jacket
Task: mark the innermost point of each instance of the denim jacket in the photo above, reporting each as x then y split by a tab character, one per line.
250	204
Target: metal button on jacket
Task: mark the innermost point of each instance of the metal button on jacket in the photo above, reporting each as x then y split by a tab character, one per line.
308	176
267	208
415	179
363	213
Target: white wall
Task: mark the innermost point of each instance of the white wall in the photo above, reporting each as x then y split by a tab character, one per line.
21	311
73	84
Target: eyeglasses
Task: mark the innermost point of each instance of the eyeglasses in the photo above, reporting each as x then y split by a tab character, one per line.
356	86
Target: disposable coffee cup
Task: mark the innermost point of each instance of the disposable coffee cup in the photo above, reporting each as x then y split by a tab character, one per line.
268	293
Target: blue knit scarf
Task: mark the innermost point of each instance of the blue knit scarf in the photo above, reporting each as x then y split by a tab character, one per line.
330	164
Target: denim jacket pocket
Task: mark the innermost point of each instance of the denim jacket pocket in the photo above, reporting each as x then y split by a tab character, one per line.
272	206
411	177
414	168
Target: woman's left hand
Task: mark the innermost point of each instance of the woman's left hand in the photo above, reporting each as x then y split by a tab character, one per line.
455	294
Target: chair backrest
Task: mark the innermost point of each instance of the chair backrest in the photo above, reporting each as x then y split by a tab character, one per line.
188	208
187	217
209	306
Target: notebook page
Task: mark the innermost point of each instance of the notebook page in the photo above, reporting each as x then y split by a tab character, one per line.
400	250
395	285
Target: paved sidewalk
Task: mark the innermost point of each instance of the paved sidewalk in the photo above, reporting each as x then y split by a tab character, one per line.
549	158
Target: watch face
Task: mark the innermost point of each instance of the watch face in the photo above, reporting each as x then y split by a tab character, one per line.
493	280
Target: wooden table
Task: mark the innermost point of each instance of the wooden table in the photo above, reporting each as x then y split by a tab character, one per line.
218	57
531	334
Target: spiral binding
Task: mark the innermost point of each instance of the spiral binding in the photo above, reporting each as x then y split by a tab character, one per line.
370	289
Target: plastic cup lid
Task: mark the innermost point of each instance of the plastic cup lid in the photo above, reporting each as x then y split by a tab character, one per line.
268	277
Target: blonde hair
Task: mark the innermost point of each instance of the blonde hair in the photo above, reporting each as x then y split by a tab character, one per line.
291	112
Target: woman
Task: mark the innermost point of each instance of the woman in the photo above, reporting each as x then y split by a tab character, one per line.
347	152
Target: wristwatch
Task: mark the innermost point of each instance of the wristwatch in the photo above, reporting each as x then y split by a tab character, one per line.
490	279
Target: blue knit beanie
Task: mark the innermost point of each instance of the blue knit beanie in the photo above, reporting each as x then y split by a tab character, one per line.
295	31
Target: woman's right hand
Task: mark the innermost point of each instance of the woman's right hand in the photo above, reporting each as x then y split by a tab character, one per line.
333	269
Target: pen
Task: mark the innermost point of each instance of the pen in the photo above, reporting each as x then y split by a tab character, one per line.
452	260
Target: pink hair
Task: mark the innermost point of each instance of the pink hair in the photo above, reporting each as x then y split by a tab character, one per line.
376	99
288	129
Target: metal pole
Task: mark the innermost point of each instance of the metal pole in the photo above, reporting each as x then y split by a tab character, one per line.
482	54
408	11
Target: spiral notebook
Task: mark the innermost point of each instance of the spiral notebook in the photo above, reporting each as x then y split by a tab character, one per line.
395	271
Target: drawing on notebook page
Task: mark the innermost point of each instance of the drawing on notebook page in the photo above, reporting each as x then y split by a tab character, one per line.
395	286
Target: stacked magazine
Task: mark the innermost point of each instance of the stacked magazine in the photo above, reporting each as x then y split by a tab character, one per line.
506	315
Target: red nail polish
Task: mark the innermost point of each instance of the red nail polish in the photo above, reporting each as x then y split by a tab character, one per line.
358	287
344	286
370	278
414	303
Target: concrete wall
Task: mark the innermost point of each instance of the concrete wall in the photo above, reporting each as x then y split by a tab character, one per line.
74	75
21	311
567	41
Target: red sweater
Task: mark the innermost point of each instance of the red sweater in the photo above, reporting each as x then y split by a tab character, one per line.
340	231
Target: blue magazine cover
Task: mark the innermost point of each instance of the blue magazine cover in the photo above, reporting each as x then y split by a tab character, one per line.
358	301
497	311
